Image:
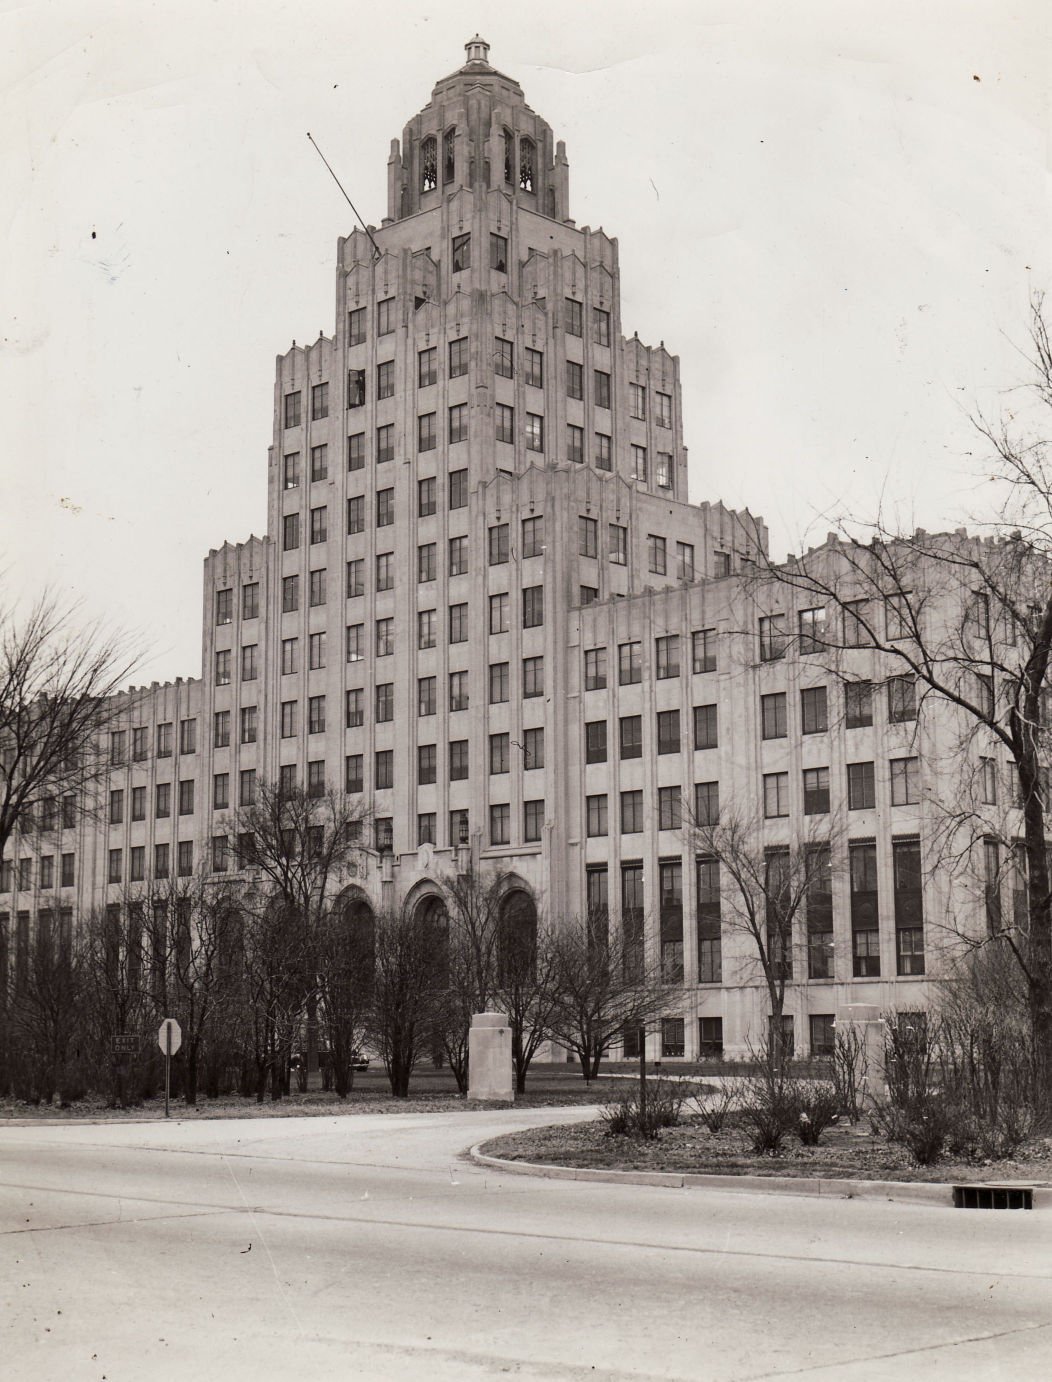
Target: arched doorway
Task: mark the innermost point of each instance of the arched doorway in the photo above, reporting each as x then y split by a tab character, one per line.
517	937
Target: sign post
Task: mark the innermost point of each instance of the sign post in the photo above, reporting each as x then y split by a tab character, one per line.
169	1039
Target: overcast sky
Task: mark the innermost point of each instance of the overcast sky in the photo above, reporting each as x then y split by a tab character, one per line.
833	211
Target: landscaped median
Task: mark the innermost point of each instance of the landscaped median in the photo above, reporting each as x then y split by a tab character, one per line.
852	1162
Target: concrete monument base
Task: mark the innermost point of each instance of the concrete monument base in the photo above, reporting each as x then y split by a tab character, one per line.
489	1058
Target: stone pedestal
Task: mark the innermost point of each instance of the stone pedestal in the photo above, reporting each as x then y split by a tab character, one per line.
489	1058
865	1018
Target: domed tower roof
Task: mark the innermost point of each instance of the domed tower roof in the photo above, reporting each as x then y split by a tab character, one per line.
477	132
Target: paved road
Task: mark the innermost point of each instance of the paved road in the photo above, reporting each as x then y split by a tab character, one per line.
365	1248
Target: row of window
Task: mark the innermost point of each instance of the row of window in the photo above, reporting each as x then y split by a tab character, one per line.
164	733
249	600
666	659
861	788
22	874
162	860
815	632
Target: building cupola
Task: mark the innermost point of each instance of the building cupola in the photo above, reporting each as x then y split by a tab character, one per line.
477	50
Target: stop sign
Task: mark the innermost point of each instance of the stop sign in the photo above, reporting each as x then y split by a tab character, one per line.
169	1031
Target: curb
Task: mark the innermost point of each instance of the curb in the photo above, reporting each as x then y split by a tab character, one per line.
924	1192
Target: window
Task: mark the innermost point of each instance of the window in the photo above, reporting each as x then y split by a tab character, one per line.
188	729
703	650
814	710
290	532
861	792
631	812
458	423
290	479
905	781
426	561
534	368
533	606
574	318
288	719
684	561
575	444
224	606
664	481
897	615
319	463
186	797
595	669
775	794
316	645
426	367
384	637
618	544
595	811
500	824
163	800
498	544
458	623
116	807
385	443
385	514
356	326
458	690
977	616
668	737
902	699
865	938
385	570
505	416
498	682
710	1036
595	741
319	402
356	388
461	253
909	932
292	409
66	870
811	625
316	779
355	642
385	379
498	253
140	749
458	556
819	912
629	663
458	760
858	704
533	536
355	708
773	637
247	787
706	803
988	781
857	624
670	804
290	594
822	1033
249	670
705	727
532	748
534	432
428	164
385	317
666	649
138	803
383	772
425	497
601	388
773	715
458	489
532	676
384	702
426	696
316	715
587	536
426	833
663	407
637	402
116	864
222	679
426	764
499	746
287	779
498	612
630	736
427	432
532	820
317	588
639	462
458	827
574	380
249	724
816	791
600	326
656	555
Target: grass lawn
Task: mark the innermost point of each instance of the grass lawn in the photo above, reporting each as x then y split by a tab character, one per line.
845	1152
430	1090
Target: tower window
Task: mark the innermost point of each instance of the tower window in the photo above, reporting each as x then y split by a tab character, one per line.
449	144
429	164
498	253
461	253
509	155
527	158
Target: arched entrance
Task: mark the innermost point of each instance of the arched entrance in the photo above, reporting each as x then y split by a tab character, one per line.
517	937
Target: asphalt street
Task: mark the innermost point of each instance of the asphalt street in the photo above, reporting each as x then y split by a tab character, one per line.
367	1247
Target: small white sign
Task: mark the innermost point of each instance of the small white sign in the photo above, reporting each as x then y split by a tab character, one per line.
170	1025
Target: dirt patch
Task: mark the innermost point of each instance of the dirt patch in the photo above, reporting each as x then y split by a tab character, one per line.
848	1153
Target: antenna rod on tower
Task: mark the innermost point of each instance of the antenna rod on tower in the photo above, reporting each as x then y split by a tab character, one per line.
339	184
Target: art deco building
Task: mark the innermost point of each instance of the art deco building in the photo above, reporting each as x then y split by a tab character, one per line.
486	606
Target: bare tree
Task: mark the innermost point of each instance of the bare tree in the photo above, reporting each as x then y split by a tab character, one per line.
46	1012
407	991
302	843
346	955
603	988
114	953
527	973
57	680
768	893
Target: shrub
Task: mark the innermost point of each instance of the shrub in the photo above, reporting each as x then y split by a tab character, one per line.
922	1126
664	1105
817	1106
714	1110
850	1068
769	1114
